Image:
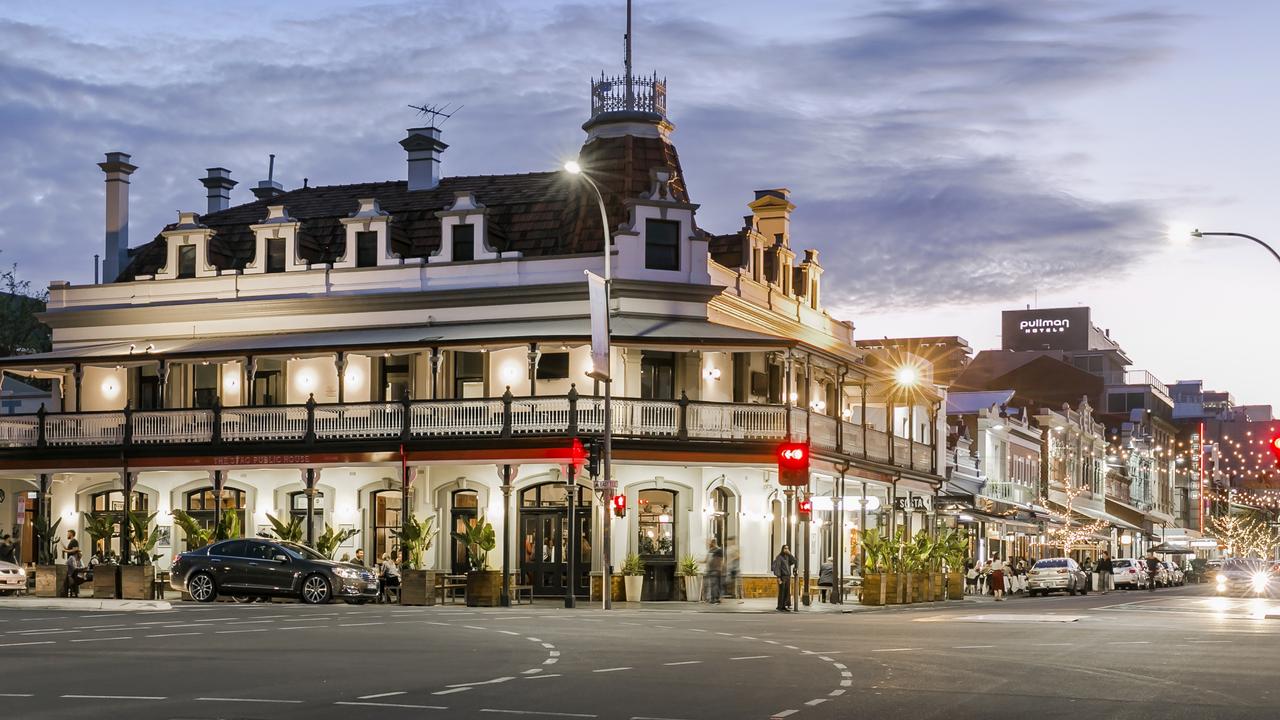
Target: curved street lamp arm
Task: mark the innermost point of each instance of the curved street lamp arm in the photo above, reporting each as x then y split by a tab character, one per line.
604	223
1270	249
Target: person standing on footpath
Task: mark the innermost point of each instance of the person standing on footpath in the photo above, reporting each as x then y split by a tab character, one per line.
997	578
1103	569
783	568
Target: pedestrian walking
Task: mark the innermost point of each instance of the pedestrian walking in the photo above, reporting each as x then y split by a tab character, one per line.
783	568
1103	571
998	569
733	563
715	573
73	545
971	578
1153	571
1088	567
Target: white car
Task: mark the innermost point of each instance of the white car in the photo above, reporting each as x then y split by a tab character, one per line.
13	578
1129	573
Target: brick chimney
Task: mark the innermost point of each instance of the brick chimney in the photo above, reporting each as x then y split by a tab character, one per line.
424	147
219	183
118	169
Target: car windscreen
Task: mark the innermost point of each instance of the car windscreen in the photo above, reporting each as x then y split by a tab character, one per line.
1243	564
1058	563
302	551
1121	563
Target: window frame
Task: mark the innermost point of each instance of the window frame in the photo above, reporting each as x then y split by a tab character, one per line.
652	246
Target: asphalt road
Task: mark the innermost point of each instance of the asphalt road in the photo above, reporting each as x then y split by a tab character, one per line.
1175	654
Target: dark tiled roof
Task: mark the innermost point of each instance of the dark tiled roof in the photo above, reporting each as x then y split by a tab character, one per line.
729	250
546	213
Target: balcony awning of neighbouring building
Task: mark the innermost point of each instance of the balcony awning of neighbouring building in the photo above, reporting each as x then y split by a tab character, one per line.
1105	517
672	332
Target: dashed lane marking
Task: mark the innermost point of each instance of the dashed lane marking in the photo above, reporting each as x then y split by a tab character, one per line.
16	695
40	642
359	624
392	705
382	695
894	649
1130	642
783	714
115	697
609	670
82	640
684	662
817	701
168	635
750	657
970	647
537	712
249	700
494	681
450	692
539	677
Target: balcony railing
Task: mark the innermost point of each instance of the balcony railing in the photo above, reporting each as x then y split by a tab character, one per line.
562	415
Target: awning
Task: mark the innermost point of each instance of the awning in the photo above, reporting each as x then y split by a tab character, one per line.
1167	549
672	331
1007	521
1105	517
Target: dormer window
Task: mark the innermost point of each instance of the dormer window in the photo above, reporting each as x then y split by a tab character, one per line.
276	252
662	245
186	262
464	242
366	249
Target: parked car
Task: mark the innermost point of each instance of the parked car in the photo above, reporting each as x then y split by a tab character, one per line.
1054	574
1129	573
12	578
252	567
1176	577
1245	576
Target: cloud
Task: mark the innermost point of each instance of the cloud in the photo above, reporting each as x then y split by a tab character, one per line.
906	132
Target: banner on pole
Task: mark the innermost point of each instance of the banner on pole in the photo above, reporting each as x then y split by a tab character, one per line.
598	300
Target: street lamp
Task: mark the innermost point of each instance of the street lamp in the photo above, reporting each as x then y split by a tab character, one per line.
1199	234
606	460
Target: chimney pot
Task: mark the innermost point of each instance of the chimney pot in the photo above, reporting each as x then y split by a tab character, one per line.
267	189
218	183
118	169
423	146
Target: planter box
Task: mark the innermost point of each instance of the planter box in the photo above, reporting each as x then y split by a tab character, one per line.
955	586
418	587
51	581
484	588
882	589
938	587
634	585
692	588
106	581
135	581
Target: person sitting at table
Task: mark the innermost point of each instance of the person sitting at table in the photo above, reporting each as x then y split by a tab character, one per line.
389	575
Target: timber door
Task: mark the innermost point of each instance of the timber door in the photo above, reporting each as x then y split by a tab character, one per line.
545	540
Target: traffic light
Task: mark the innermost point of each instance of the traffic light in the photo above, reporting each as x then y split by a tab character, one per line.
594	451
620	505
1275	446
804	509
793	464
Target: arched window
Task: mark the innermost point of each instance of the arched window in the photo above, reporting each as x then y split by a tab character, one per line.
110	503
202	505
723	517
463	511
298	509
657	523
385	520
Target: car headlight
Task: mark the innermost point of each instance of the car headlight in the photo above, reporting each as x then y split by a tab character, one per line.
22	572
348	573
1260	580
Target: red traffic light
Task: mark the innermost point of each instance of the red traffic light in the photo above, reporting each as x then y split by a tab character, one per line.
620	505
804	508
1275	446
577	452
793	464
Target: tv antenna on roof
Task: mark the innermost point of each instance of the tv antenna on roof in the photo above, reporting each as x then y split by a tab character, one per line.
436	112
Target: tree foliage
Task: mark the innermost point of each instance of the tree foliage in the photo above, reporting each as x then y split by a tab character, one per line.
21	332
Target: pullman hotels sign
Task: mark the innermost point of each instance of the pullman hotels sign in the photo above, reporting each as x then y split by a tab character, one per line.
1046	329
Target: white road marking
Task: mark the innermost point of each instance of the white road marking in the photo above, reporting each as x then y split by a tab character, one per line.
382	695
839	666
1130	642
162	635
1210	641
249	700
554	653
824	658
750	657
1054	644
895	649
301	627
816	701
39	633
231	632
685	662
531	671
251	622
539	677
116	697
16	695
474	627
548	645
617	669
359	624
791	647
537	712
393	705
509	632
99	627
450	692
783	714
970	647
725	634
494	681
836	693
534	639
549	661
42	642
102	639
846	682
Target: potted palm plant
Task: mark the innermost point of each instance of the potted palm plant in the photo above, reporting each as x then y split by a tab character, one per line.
290	530
51	578
955	548
417	585
330	540
137	571
688	569
484	586
106	575
633	577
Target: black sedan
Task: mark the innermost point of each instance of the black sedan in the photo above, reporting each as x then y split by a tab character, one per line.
256	568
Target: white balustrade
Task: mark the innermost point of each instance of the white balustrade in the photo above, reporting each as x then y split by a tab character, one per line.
901	452
647	418
799	433
264	423
19	430
923	457
822	431
359	420
455	417
105	428
539	415
737	421
852	438
172	426
877	445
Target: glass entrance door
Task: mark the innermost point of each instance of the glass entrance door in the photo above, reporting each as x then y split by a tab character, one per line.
546	541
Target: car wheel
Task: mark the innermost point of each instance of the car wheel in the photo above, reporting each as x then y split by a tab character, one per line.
315	590
202	588
356	601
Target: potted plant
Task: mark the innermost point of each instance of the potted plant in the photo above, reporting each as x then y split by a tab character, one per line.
633	577
484	586
196	534
417	586
881	584
955	548
51	578
137	572
330	540
106	574
286	530
688	569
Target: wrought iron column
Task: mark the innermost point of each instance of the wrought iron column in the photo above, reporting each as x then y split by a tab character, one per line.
310	492
218	484
507	526
573	542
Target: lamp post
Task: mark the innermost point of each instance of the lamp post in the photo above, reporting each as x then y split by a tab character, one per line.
606	454
1199	234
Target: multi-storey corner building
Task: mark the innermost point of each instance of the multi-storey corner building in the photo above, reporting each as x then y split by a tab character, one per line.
329	352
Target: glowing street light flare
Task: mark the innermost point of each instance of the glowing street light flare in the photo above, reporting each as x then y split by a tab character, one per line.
573	167
907	375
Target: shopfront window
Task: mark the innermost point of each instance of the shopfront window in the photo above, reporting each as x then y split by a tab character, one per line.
657	523
109	505
298	509
202	505
385	520
464	513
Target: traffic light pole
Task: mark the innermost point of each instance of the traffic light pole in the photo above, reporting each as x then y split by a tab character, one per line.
573	542
804	592
606	587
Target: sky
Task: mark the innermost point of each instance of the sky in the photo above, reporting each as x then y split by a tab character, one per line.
948	158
